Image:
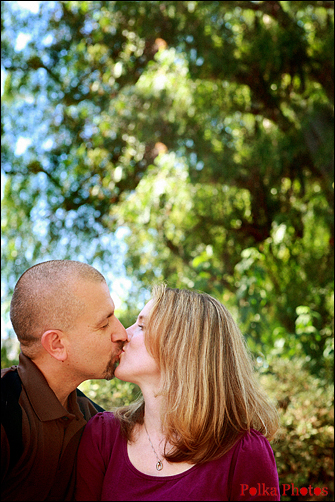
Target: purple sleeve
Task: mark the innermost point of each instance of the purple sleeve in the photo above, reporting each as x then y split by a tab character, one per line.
91	465
254	473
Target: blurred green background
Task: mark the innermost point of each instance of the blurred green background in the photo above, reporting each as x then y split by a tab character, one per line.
190	142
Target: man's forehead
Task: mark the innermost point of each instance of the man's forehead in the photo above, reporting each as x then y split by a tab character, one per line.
92	292
85	284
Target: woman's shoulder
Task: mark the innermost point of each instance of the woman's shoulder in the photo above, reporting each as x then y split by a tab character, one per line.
253	464
103	417
253	445
103	423
253	440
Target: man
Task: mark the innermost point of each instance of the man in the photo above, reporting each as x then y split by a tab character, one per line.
63	316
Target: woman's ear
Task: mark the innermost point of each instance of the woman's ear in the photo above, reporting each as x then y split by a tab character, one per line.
54	342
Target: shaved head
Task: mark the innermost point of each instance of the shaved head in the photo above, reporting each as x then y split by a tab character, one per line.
45	298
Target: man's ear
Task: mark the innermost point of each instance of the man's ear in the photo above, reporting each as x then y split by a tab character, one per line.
54	342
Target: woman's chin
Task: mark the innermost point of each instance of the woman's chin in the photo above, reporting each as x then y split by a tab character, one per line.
119	373
123	375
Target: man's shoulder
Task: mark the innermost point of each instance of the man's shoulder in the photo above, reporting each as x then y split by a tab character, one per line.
11	419
5	371
10	383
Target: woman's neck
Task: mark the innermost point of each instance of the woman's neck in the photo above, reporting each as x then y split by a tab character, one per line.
152	411
146	453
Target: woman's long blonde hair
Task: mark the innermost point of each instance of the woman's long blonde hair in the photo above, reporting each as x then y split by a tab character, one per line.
209	390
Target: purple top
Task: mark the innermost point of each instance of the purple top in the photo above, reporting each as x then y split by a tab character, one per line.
247	472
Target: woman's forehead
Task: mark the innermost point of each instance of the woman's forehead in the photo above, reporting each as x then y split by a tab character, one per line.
146	310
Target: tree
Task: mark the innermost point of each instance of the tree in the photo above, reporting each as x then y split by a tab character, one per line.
205	128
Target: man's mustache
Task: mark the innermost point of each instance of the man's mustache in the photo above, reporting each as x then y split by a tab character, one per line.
122	344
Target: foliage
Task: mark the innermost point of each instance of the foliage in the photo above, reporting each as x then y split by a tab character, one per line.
110	394
203	129
9	352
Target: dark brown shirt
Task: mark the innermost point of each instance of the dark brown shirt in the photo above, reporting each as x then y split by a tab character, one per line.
50	437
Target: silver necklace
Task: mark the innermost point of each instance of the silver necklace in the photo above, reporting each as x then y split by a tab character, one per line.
159	465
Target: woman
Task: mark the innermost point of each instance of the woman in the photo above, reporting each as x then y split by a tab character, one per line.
199	430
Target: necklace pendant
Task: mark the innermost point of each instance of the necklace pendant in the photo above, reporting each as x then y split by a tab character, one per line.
159	465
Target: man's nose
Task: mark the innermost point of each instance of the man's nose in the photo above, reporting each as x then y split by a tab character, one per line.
121	334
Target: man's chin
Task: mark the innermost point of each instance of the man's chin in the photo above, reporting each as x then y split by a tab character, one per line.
109	372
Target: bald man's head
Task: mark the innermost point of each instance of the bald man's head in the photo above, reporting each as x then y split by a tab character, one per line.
44	298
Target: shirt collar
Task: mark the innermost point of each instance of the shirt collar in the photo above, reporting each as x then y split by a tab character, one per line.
42	398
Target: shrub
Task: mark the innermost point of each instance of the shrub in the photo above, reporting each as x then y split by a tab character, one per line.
304	445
